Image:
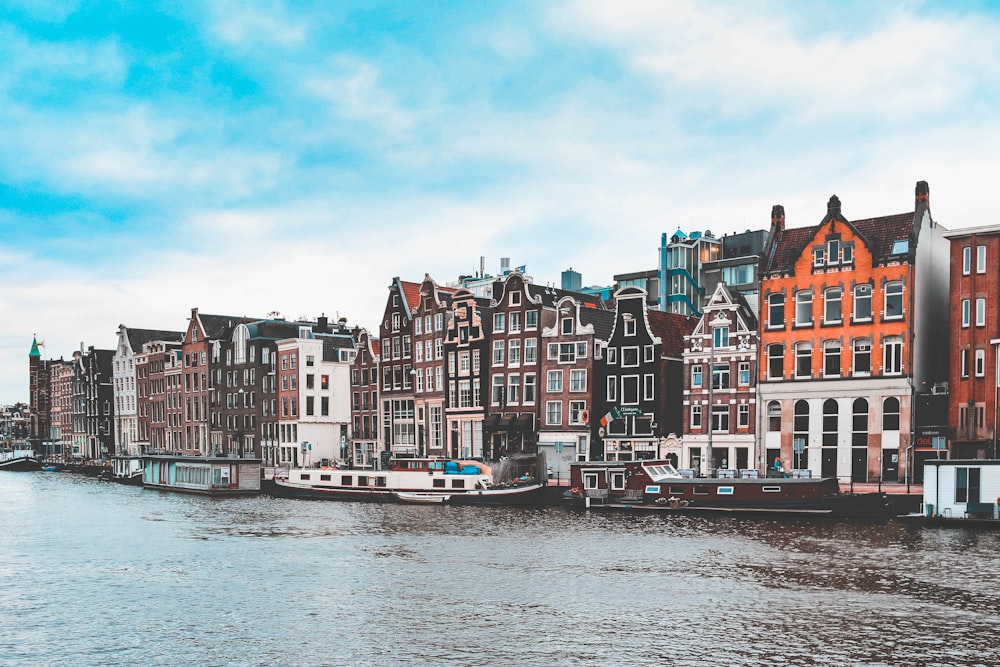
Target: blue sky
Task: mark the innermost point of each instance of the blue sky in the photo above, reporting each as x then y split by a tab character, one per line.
162	156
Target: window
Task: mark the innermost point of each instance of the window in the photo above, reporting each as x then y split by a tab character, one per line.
803	308
578	380
893	300
720	376
576	411
695	416
553	413
847	254
819	256
833	251
775	361
612	389
514	321
831	305
630	390
965	363
980	312
647	353
890	414
720	418
629	327
831	358
774	417
418	326
648	387
498	352
514	352
743	415
529	388
612	355
530	351
744	373
831	420
966	312
496	396
696	376
514	389
554	383
775	311
862	302
859	423
531	320
862	356
968	485
720	337
567	325
630	357
498	322
981	259
803	360
893	359
966	260
980	362
438	321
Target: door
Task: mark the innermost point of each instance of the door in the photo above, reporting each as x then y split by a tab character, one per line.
829	466
890	465
859	464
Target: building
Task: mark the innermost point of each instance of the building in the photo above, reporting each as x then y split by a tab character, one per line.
851	332
681	268
365	401
39	398
467	349
975	340
720	386
642	363
399	424
431	321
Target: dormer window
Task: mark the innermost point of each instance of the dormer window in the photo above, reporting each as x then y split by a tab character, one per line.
900	246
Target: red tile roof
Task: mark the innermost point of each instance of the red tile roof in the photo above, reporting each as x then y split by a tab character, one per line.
671	329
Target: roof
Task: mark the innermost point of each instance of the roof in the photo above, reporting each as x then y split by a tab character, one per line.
671	328
139	337
603	321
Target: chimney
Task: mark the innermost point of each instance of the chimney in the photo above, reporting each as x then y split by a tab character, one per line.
833	206
323	325
777	218
923	198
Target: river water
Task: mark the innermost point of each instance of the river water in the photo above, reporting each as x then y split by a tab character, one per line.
93	573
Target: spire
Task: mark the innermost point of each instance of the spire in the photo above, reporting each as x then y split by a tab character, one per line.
34	347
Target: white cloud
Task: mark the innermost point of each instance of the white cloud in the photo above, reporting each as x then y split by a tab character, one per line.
247	26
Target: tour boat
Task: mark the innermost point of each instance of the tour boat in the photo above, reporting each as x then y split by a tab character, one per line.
411	480
19	456
657	486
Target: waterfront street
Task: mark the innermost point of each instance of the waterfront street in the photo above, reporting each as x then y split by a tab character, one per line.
101	574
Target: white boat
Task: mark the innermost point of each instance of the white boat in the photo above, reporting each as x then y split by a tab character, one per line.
412	480
18	456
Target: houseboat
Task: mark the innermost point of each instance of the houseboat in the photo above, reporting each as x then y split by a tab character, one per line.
655	485
961	492
18	456
209	475
126	470
411	480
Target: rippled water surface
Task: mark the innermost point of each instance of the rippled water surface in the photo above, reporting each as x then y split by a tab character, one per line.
98	574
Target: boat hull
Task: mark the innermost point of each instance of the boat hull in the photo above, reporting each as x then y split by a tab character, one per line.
21	464
529	494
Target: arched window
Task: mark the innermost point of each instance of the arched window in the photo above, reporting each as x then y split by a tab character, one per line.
830	423
774	417
890	414
240	338
775	361
800	432
775	310
859	423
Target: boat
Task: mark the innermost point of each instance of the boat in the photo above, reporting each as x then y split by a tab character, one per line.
656	485
958	493
50	468
126	470
18	456
411	480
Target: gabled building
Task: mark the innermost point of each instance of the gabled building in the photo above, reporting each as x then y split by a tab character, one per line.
39	397
642	363
431	321
151	389
365	447
467	349
569	378
851	331
720	386
399	424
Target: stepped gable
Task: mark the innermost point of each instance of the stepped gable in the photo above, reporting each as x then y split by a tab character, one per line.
671	328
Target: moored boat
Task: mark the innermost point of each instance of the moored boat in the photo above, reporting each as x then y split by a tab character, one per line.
657	486
19	456
411	480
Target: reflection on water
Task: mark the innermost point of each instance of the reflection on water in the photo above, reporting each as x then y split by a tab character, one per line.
106	575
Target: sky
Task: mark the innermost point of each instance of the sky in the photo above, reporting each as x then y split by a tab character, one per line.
247	158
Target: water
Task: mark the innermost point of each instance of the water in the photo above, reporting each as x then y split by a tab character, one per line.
93	573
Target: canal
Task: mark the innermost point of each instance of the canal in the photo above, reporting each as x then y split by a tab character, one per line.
93	573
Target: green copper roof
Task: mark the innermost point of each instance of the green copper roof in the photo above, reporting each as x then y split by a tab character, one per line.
34	347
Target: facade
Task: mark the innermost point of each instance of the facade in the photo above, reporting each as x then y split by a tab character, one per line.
39	398
98	403
681	267
642	363
720	386
848	335
975	337
467	350
365	447
738	266
431	322
568	380
61	422
399	424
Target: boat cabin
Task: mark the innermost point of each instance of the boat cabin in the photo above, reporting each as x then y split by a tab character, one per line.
962	488
217	476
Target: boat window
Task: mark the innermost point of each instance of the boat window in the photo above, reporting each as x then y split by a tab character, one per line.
362	480
324	478
378	481
345	480
305	475
660	472
652	488
724	490
458	483
590	480
771	489
438	483
701	489
676	490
